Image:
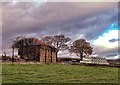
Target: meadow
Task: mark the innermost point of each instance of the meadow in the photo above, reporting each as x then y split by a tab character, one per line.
35	73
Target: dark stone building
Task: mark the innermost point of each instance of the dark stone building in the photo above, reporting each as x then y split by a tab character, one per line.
33	49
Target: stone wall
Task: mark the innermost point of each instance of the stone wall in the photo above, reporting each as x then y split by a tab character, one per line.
42	56
53	57
47	55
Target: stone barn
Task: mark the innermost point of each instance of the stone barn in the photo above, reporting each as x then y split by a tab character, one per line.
33	49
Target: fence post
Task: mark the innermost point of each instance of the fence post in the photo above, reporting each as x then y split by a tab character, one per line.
12	55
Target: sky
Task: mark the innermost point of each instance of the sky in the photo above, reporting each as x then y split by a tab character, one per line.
97	22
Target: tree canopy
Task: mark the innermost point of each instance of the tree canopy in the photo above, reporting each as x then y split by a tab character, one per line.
15	43
80	47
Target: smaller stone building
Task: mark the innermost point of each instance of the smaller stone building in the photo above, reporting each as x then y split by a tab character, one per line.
33	49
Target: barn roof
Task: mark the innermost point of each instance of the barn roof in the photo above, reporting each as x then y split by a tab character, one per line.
42	43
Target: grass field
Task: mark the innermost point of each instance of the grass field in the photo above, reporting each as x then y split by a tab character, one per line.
31	73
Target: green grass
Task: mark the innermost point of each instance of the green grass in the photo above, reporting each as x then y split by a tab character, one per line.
32	73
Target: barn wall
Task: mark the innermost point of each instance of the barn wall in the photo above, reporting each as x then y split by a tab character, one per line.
47	55
42	56
36	53
53	57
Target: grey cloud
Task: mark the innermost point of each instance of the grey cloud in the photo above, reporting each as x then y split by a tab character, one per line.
24	15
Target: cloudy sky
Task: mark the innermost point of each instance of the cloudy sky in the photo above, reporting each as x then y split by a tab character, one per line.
97	22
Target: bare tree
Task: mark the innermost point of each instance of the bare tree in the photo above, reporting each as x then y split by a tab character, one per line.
48	39
81	46
59	41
